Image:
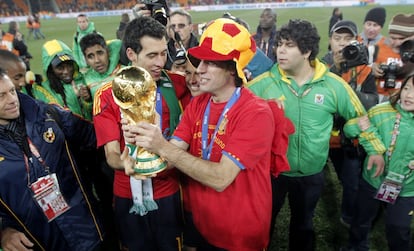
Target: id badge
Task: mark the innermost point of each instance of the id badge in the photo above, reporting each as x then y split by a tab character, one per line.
48	196
390	188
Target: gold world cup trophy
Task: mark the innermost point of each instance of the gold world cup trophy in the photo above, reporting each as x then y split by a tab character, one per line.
135	92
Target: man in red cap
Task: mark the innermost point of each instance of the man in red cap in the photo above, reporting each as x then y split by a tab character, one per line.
218	146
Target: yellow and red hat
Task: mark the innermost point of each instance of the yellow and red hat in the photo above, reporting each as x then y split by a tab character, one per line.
225	40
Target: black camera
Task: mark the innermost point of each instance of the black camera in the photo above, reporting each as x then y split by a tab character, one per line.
391	71
355	54
408	56
407	51
180	56
159	10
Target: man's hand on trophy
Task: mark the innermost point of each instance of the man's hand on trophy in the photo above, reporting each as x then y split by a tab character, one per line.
128	135
128	163
148	136
143	134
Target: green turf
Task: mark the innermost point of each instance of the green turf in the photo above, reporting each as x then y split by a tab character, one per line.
64	29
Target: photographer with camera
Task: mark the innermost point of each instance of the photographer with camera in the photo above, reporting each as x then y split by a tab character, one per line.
157	9
180	32
407	57
388	63
348	59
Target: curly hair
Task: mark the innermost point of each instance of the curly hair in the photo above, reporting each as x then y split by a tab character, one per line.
140	27
303	33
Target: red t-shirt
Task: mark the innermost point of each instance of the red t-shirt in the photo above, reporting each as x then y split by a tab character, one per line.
237	218
107	117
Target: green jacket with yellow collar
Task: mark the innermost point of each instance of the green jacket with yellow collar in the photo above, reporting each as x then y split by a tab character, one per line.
383	117
311	108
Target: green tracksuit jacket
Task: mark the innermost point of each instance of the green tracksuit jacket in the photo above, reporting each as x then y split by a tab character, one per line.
73	102
382	117
311	109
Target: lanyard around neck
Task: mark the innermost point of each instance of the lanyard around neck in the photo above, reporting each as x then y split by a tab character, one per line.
206	150
158	105
395	133
35	152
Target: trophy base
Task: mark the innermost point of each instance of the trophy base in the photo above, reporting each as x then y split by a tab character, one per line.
151	165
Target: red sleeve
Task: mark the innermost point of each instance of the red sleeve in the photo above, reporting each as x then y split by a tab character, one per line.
181	90
106	118
283	128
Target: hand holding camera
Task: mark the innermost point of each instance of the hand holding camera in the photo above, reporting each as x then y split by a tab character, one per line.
391	72
156	9
354	54
140	10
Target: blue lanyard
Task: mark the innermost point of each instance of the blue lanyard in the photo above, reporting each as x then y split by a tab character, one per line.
204	129
158	105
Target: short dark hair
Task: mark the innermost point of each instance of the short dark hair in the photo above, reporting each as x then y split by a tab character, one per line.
92	39
271	11
83	15
140	27
303	33
7	57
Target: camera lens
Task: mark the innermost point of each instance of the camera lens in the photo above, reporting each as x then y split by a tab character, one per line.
350	52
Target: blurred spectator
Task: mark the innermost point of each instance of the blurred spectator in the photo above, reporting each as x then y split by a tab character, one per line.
37	33
83	28
266	33
373	23
336	17
15	68
13	41
371	34
260	62
29	26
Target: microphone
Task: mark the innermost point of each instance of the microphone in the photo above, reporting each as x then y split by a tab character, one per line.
181	53
30	78
177	39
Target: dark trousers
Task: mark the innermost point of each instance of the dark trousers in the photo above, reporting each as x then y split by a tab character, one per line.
193	238
397	220
347	163
303	195
160	229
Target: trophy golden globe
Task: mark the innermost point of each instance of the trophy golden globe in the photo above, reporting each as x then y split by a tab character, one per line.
135	92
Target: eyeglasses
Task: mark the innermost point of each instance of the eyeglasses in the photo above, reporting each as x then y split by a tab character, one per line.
180	26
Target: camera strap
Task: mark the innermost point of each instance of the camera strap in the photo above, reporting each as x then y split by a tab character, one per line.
354	82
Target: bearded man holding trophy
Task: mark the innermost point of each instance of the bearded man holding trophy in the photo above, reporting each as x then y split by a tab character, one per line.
147	210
